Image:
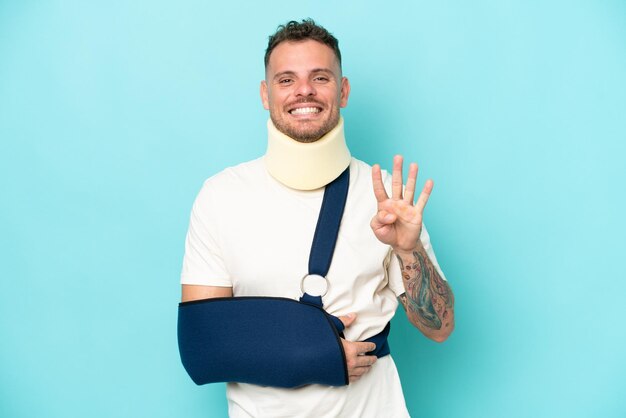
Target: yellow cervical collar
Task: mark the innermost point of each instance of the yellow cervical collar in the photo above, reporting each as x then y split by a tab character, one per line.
306	166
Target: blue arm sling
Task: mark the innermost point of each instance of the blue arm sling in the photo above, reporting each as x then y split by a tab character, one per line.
273	341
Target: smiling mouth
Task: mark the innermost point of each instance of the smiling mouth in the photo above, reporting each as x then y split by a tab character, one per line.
305	111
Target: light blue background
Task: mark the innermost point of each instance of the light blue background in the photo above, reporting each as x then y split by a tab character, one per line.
112	113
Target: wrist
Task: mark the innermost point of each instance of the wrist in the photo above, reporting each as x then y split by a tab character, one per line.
408	253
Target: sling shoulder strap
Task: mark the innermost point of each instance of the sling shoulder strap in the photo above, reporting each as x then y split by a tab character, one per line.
327	230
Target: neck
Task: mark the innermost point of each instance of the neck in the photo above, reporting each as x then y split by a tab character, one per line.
306	166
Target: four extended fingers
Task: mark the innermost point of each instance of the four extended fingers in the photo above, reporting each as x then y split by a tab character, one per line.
396	184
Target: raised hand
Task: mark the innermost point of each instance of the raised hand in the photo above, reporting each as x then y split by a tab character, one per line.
398	222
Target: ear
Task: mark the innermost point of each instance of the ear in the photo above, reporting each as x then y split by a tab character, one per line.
264	97
345	92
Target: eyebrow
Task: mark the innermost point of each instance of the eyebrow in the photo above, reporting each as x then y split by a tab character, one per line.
313	71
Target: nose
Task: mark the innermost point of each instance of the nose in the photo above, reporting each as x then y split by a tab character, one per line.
305	88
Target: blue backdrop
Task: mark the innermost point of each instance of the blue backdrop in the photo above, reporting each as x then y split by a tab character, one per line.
112	113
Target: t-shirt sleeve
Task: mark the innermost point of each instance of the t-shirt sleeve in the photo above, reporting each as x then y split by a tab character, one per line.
394	275
203	263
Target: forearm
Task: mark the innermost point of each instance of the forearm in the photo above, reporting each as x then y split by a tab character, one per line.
236	340
428	300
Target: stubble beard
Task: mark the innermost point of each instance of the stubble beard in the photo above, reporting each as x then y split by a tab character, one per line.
305	135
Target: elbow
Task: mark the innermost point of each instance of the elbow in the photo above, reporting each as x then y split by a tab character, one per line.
438	335
435	329
439	338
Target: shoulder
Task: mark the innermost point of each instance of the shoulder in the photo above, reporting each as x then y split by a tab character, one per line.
359	164
244	173
232	183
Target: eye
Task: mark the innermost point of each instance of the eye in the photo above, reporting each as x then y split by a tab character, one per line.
321	79
285	81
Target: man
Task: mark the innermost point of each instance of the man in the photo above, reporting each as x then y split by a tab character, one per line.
252	225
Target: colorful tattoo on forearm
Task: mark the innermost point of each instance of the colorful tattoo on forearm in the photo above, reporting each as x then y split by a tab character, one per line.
428	296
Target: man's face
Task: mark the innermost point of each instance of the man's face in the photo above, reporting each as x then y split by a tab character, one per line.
303	89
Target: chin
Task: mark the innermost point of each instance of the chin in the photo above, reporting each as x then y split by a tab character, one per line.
306	136
305	130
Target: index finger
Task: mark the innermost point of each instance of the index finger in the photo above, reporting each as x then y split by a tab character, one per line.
379	187
423	198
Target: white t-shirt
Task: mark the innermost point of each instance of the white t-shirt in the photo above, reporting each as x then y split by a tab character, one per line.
252	233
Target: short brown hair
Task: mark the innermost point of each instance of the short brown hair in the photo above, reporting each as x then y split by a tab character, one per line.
301	31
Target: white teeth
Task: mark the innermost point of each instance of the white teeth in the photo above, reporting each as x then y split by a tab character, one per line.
304	110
